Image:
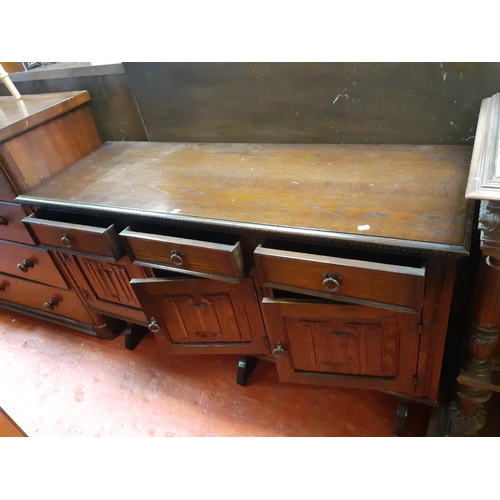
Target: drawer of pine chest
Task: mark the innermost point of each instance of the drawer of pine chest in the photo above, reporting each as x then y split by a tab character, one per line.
30	263
11	225
200	253
45	298
75	233
398	286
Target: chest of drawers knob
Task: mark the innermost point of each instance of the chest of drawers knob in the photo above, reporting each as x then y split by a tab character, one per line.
4	221
332	281
50	304
25	265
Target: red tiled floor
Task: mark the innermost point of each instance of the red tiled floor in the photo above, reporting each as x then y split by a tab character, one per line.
57	382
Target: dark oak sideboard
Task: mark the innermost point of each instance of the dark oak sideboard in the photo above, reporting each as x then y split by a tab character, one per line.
338	261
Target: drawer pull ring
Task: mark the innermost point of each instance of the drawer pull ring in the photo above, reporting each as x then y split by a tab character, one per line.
66	241
153	326
332	281
278	351
25	265
4	221
176	258
50	304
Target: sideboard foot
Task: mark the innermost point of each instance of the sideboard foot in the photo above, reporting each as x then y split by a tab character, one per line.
133	335
401	419
246	364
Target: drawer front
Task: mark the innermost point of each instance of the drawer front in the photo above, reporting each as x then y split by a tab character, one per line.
11	225
203	258
6	192
384	285
75	237
29	263
45	298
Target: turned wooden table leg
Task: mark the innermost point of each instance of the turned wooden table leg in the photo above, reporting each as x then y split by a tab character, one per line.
467	414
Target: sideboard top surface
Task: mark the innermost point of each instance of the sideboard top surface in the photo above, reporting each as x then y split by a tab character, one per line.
18	116
394	195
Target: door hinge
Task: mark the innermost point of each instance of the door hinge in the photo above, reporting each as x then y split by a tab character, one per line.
265	341
421	327
416	380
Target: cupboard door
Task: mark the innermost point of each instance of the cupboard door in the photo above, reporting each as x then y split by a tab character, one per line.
110	282
105	285
351	346
199	315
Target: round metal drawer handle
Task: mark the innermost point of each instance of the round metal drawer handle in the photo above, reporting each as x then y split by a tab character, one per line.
332	281
153	326
25	265
4	221
278	351
176	258
50	304
65	240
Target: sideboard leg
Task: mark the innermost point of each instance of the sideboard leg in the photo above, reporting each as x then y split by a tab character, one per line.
133	335
246	364
401	419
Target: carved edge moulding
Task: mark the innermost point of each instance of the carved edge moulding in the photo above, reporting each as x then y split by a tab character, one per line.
475	384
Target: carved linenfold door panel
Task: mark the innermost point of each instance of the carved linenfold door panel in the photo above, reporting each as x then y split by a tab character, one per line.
104	286
332	345
109	281
344	345
201	315
207	318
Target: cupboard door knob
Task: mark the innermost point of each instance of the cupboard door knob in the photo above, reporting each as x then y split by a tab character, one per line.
65	240
153	326
4	221
50	304
278	351
176	258
25	265
332	281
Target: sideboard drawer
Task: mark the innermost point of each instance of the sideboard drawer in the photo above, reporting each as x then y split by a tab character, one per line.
206	254
11	226
30	263
6	192
75	233
28	293
393	286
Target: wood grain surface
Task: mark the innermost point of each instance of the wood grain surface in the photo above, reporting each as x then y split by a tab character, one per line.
413	193
32	110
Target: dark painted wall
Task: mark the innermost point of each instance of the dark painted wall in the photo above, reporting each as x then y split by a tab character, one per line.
421	103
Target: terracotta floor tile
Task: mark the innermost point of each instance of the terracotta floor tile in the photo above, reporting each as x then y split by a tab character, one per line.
57	382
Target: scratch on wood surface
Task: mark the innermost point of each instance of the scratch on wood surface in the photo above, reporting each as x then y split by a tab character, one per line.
339	96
